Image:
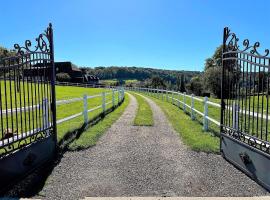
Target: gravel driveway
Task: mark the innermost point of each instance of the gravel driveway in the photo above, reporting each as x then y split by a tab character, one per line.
144	161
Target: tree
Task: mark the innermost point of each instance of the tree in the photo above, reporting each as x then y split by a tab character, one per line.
196	85
183	83
212	80
157	82
213	72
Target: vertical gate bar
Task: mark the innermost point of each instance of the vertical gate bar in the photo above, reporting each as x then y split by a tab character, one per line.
249	69
238	68
244	84
11	100
258	99
1	111
53	103
222	103
5	89
38	89
267	102
262	97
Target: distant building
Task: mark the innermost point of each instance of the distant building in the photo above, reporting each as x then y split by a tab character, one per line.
76	75
72	70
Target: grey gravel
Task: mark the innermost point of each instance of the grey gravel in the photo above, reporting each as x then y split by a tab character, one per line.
144	161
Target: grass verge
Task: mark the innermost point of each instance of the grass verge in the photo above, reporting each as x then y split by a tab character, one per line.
144	115
90	136
190	131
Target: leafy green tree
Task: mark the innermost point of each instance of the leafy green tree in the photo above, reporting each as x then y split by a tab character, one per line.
183	83
196	85
212	80
213	72
157	82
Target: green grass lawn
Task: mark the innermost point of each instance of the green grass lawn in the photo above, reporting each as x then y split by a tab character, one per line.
144	115
90	136
33	118
191	132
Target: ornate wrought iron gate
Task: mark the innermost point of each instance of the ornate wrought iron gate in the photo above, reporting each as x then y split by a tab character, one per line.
27	107
245	107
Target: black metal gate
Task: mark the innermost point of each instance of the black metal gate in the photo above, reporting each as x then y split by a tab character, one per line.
27	107
245	107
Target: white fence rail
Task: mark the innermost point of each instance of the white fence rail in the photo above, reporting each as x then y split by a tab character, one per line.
84	112
174	97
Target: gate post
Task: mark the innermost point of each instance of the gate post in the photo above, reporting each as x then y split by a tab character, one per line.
53	75
205	114
184	105
192	107
85	114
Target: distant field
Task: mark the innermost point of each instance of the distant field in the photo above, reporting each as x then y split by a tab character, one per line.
114	81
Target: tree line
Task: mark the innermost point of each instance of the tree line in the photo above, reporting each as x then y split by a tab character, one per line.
146	77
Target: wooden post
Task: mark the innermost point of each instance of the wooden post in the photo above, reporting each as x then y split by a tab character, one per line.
167	96
85	106
192	107
205	114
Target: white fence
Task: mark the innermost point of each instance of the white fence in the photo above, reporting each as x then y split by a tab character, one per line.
85	110
104	104
175	99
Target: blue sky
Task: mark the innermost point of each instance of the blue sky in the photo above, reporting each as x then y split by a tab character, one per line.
166	34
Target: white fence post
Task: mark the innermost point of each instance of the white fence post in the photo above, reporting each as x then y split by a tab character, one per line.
85	114
184	101
103	102
205	114
113	98
45	108
178	100
192	107
235	110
